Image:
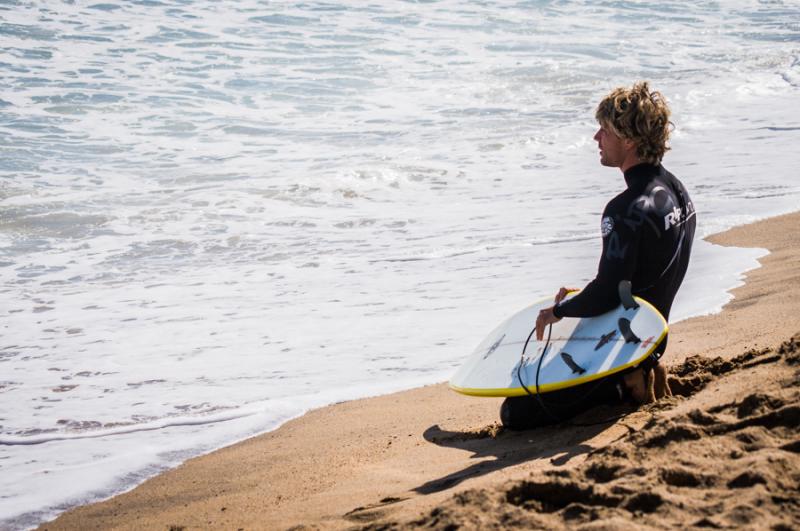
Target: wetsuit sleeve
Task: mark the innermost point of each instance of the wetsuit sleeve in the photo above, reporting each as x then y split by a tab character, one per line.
621	237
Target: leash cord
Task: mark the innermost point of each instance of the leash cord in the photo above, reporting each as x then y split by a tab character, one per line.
538	395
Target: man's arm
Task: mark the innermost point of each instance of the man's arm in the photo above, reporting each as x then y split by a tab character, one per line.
617	262
621	237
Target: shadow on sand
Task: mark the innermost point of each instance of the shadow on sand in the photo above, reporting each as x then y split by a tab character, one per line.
558	443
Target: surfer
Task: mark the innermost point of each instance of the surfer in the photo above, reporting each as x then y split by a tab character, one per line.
647	233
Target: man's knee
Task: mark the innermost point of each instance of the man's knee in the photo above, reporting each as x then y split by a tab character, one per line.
521	413
511	415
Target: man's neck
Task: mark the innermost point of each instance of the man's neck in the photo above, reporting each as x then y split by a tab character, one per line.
629	162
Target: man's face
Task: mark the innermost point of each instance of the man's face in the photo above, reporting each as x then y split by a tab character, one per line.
614	151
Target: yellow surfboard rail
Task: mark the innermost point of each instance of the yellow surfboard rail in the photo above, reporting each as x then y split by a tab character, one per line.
545	388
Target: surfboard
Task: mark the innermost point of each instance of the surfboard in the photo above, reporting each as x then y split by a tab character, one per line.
580	350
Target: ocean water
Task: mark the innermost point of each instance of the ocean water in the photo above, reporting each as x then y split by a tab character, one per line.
217	215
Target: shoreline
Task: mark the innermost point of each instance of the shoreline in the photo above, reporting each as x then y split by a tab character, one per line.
396	455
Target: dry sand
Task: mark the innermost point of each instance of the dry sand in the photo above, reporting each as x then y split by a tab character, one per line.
724	454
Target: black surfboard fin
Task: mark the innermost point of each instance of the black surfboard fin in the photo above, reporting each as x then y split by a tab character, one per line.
626	296
571	362
627	333
604	339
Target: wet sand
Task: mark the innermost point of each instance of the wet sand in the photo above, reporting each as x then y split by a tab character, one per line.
722	453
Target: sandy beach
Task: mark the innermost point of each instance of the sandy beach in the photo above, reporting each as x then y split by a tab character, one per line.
722	453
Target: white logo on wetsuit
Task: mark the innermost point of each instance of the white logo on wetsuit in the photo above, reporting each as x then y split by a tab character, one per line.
678	215
672	218
606	226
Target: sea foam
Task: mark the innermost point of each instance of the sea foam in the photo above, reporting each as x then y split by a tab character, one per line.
214	217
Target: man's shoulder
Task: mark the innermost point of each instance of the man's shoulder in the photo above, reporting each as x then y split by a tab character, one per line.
621	201
666	173
669	177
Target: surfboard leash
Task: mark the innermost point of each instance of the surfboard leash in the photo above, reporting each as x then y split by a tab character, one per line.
538	368
538	395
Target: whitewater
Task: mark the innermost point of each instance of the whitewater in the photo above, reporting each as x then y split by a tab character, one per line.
215	216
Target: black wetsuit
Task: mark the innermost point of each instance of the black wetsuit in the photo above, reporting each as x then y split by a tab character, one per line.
648	231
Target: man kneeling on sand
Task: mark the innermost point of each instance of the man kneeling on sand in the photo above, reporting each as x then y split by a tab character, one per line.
647	231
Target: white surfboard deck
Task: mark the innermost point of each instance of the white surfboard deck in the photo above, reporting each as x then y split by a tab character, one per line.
595	344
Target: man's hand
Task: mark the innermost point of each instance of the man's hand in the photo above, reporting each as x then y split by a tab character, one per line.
545	318
562	294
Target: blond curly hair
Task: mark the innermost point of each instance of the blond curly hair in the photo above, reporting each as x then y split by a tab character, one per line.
638	114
